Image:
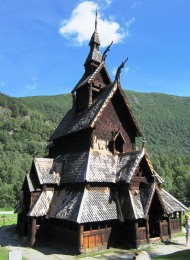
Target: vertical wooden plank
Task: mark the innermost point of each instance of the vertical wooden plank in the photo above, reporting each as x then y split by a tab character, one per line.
92	241
86	242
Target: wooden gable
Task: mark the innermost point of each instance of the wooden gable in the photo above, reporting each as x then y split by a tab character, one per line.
143	175
116	125
89	86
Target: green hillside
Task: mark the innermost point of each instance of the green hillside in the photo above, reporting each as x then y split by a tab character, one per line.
26	124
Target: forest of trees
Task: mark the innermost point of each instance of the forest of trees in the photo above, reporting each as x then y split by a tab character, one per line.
26	124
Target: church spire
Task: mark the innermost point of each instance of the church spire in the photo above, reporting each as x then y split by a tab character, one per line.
96	17
94	56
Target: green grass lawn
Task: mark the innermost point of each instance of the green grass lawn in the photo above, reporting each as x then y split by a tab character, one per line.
4	253
7	219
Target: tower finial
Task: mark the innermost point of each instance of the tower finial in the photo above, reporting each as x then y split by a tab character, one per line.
117	76
96	18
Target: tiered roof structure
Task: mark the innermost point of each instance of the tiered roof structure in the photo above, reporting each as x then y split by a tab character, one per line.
96	188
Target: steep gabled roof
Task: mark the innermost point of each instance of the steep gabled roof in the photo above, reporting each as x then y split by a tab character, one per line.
74	122
88	78
147	192
30	183
128	164
138	131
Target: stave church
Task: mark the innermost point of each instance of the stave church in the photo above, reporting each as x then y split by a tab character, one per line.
96	189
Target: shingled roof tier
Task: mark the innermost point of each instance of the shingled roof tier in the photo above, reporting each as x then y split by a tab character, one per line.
74	122
83	205
48	170
169	203
92	166
42	205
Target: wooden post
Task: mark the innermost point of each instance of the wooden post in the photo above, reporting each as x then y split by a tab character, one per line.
33	231
147	229
169	226
180	221
136	234
81	247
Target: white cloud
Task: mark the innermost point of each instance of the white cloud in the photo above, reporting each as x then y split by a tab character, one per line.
131	21
80	26
31	86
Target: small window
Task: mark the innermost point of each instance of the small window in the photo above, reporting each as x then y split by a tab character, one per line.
117	143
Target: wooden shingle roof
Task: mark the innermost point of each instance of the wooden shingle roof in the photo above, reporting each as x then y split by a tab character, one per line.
97	205
169	203
66	204
74	167
127	165
92	166
42	205
147	193
83	205
90	77
74	122
48	170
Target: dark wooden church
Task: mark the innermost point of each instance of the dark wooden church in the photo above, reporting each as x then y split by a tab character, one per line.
96	189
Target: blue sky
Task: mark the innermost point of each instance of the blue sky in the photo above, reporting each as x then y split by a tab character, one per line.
43	44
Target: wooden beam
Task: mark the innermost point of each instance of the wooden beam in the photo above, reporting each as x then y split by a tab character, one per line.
136	234
81	246
169	226
33	231
147	229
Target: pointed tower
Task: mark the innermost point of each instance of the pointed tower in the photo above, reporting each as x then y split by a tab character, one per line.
95	77
94	58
